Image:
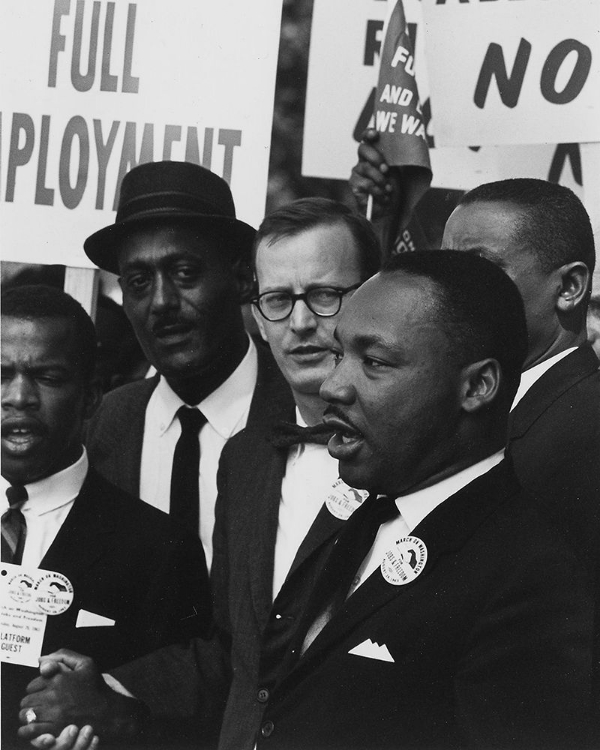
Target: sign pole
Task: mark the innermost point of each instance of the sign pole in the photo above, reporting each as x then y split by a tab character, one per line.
82	284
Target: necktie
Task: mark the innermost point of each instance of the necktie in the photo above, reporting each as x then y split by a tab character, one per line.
14	526
185	496
352	546
286	434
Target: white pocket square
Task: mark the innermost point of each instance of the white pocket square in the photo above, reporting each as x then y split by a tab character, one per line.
371	650
87	619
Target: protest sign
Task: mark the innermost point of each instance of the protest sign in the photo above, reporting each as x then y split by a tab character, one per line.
398	118
341	80
90	89
514	73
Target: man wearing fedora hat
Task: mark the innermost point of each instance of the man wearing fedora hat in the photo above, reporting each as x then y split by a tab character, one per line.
184	262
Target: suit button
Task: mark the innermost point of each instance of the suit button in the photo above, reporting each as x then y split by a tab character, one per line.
263	695
267	729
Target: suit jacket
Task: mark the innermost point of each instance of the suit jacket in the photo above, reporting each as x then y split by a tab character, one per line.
489	647
554	441
247	513
128	562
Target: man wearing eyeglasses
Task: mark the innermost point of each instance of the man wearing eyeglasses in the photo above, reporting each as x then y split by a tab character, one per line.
280	497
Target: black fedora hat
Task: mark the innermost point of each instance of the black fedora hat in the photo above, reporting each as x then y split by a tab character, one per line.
165	190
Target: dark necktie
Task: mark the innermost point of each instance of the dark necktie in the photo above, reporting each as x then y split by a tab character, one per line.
185	496
352	546
286	434
14	526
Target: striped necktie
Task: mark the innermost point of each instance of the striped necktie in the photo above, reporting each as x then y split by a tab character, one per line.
14	526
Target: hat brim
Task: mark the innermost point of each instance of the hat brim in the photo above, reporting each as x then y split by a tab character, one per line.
103	247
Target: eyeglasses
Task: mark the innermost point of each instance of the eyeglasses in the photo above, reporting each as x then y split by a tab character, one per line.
324	301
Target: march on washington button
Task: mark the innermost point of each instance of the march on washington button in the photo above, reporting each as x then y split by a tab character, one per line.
405	561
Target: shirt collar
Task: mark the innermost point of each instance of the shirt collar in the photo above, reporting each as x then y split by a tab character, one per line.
224	407
58	489
416	506
529	377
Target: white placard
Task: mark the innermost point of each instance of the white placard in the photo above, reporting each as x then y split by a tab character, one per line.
506	72
85	97
22	622
342	72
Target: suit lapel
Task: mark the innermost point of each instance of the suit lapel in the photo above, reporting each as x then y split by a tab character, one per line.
84	534
261	492
553	383
445	529
129	454
264	484
323	528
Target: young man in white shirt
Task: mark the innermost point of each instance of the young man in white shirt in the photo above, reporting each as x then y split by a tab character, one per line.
135	578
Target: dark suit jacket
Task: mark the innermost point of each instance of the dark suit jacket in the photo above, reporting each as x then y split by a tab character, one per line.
554	442
250	477
490	645
128	562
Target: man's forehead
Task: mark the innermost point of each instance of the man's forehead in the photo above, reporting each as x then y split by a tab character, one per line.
322	254
481	223
386	306
50	338
147	243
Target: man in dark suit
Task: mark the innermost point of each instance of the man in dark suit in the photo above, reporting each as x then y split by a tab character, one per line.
280	497
184	265
454	623
448	614
137	580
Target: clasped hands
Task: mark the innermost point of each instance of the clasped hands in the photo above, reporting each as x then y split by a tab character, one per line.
73	707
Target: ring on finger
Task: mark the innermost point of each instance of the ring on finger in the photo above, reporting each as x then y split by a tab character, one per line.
30	716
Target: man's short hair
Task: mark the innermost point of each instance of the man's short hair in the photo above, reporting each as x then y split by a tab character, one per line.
479	308
40	302
308	213
555	225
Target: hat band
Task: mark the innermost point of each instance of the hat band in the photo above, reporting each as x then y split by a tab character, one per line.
170	202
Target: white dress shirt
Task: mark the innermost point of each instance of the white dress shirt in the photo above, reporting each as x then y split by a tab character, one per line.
413	509
226	410
529	377
309	475
48	504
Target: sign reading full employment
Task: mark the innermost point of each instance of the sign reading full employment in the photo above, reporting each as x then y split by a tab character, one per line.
505	72
341	80
92	88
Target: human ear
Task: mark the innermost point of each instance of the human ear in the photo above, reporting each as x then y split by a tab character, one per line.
244	279
480	384
574	285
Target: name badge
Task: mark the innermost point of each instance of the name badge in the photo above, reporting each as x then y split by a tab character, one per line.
343	500
405	561
27	597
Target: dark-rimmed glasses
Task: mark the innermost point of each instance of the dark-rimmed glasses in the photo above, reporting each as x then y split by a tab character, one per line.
324	301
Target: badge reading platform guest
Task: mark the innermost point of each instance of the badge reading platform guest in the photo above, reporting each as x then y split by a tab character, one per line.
343	500
22	625
53	593
405	561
